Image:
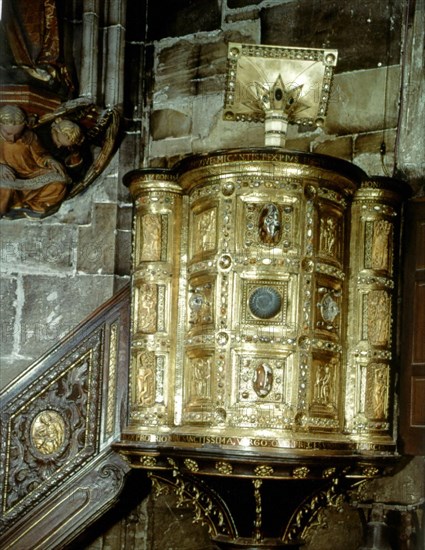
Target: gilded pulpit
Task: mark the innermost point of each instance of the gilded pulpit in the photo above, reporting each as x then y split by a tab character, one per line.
264	290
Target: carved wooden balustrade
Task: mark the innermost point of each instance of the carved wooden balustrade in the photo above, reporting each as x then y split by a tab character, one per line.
58	420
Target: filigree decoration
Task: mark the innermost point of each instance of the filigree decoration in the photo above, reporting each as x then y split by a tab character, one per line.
329	472
224	468
147	461
370	471
257	535
209	509
191	465
300	473
112	378
255	85
263	470
310	512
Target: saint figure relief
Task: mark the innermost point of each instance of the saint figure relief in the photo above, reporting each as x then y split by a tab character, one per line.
145	378
324	384
205	237
381	244
147	308
328	235
201	373
380	392
151	238
378	317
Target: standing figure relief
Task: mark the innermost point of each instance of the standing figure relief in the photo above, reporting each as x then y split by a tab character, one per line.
378	317
151	238
145	378
328	235
205	237
381	244
147	308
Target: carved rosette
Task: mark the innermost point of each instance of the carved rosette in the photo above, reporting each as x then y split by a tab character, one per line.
263	301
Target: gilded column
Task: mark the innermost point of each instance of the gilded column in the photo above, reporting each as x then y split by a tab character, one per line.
156	265
374	243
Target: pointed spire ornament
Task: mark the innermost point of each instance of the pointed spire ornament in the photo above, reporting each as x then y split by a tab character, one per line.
278	85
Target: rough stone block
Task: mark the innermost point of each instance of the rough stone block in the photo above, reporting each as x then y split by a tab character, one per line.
363	101
299	144
364	32
96	243
189	69
8	289
233	4
372	163
53	306
169	123
367	152
371	142
123	253
338	147
125	217
26	245
182	17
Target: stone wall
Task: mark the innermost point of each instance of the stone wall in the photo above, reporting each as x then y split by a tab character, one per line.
55	272
188	49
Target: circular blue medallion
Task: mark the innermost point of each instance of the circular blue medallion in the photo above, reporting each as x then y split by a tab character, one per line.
265	302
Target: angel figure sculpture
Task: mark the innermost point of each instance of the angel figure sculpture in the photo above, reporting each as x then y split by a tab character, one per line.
54	158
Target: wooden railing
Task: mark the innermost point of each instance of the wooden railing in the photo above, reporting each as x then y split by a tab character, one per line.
58	473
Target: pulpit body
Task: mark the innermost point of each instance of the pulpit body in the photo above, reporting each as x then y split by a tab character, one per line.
263	321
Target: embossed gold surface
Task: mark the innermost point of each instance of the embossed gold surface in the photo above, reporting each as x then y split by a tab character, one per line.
293	82
264	289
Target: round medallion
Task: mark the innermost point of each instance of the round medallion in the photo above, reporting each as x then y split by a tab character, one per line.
225	261
228	188
48	432
329	308
196	302
265	302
